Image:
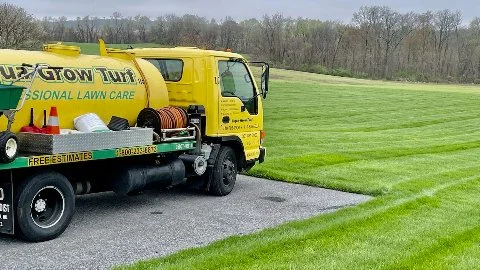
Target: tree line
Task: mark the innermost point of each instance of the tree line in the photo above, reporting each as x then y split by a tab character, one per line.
379	42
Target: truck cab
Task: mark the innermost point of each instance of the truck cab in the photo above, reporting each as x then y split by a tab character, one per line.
224	89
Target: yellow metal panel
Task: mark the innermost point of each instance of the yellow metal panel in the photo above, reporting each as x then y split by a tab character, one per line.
181	93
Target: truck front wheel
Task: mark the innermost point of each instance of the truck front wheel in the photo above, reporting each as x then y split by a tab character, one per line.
45	206
224	172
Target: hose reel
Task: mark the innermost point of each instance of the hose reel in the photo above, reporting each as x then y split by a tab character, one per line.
163	118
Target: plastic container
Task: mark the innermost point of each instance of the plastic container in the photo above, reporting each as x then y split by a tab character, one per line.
90	122
10	96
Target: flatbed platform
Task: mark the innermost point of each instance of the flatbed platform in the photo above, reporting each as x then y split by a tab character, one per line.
25	160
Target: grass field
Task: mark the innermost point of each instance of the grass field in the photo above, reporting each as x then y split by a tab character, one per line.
413	146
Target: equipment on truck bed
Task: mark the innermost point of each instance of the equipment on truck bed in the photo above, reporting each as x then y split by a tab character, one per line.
10	104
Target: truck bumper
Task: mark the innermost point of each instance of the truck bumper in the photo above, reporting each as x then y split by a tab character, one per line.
263	154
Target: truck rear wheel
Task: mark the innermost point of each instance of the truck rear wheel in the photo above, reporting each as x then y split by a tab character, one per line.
224	172
45	204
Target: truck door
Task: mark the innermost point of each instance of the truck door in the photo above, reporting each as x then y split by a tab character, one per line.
240	105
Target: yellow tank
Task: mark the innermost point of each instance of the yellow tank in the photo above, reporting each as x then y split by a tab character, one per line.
115	84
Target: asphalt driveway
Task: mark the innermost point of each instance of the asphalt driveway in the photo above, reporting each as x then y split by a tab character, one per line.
109	230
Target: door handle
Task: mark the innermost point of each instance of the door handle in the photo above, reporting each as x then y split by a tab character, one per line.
226	119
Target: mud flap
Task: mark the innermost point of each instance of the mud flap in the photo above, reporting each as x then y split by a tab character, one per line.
211	164
6	203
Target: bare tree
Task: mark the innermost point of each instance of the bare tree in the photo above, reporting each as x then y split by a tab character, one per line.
127	34
141	24
60	28
272	27
173	29
446	23
158	31
87	29
230	33
210	35
369	20
17	28
395	28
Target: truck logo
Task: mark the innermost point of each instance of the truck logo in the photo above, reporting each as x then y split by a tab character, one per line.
10	73
2	195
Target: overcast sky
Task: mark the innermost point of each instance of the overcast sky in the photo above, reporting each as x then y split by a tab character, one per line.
341	10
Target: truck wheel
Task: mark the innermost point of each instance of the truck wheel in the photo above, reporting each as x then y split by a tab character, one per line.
8	147
224	172
45	206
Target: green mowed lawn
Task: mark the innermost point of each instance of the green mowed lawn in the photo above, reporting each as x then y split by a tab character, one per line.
416	147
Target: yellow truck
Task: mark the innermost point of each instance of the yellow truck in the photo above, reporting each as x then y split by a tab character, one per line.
191	116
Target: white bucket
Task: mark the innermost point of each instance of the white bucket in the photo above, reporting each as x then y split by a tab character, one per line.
90	122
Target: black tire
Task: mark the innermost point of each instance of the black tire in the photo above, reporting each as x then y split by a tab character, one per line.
45	204
224	172
8	147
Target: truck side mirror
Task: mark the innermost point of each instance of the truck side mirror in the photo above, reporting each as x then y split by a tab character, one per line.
265	79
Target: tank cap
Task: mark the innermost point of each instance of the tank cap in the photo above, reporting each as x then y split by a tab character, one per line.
60	48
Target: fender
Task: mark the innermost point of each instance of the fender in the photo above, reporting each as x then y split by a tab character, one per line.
236	144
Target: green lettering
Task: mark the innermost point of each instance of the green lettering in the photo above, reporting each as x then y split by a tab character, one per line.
47	95
55	95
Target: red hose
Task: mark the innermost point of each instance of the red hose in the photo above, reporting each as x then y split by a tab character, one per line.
173	117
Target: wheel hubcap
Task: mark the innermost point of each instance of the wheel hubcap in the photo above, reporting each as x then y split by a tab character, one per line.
11	147
47	207
40	205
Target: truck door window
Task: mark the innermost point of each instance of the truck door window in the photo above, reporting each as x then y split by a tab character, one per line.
235	81
171	69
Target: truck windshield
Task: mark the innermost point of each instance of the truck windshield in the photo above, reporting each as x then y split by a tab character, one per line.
235	81
171	69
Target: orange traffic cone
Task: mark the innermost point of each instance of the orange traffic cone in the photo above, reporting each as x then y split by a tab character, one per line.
53	126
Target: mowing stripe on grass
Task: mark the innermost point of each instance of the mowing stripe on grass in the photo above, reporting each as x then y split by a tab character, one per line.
415	146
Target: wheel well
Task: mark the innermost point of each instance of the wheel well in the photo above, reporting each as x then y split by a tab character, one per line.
236	144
